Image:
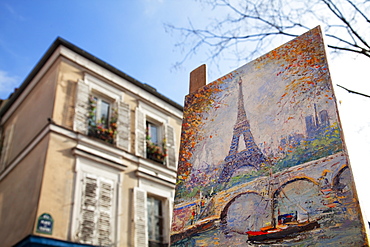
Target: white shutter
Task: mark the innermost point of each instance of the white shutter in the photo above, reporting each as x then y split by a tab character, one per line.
123	128
2	148
167	219
140	133
171	151
104	226
82	107
89	204
6	142
95	226
140	226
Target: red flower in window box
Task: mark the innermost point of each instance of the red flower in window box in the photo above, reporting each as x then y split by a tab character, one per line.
99	129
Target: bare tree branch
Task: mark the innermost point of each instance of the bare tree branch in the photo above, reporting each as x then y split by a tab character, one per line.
341	17
351	91
358	10
248	27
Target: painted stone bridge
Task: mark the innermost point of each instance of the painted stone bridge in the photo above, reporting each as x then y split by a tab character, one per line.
324	175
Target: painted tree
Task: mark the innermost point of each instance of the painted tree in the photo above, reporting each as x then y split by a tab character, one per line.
197	106
303	66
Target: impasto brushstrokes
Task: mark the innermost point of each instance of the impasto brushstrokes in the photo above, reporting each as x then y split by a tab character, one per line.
262	161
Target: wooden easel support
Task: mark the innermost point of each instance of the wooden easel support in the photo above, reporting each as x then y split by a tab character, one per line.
198	78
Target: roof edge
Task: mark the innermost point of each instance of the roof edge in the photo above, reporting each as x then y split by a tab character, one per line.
62	42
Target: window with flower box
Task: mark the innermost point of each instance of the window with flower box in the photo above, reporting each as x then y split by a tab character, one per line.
102	120
101	113
155	147
155	139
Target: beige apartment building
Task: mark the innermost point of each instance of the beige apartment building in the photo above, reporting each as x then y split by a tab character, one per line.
88	156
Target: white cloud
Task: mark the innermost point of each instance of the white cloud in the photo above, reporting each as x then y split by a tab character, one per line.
16	15
152	7
7	84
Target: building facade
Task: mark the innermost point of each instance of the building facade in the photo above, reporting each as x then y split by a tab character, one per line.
88	156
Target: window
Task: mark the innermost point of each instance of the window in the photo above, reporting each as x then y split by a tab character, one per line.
155	147
154	136
155	222
153	132
102	122
95	210
151	216
100	112
104	112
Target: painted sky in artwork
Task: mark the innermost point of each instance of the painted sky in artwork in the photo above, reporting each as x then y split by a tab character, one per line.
279	90
291	139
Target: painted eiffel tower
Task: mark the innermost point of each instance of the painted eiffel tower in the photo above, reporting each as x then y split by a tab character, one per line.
251	155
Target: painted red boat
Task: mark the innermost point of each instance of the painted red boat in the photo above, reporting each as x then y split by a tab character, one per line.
281	231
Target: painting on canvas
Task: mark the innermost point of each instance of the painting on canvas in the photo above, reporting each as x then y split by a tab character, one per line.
262	160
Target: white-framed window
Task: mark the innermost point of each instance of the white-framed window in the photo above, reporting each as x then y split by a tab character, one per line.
156	148
155	139
151	216
96	199
102	110
102	118
153	132
101	113
155	221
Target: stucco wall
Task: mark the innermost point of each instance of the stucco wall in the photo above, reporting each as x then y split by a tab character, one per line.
67	79
32	114
19	196
57	185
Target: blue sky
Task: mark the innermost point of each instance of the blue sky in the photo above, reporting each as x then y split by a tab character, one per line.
130	35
